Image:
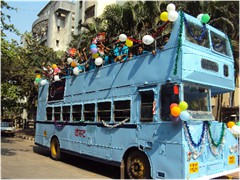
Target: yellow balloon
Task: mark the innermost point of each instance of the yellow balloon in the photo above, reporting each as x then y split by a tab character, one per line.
95	55
164	16
129	43
183	105
54	66
73	64
38	76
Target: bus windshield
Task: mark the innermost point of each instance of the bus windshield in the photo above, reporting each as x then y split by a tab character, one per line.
196	97
219	44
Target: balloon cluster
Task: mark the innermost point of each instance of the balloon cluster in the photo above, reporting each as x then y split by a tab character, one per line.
147	40
178	111
204	18
94	50
37	79
234	128
169	15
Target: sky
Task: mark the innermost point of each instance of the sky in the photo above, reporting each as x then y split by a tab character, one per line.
27	11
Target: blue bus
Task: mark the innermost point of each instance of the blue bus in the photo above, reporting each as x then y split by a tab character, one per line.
119	113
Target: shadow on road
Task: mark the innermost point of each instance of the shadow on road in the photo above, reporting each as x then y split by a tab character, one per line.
85	164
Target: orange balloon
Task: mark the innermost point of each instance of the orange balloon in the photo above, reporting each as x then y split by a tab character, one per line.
175	111
230	124
73	64
172	105
38	76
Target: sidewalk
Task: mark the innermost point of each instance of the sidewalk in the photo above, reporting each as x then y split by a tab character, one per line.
25	134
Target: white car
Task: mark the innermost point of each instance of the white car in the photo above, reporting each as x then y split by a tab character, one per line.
7	128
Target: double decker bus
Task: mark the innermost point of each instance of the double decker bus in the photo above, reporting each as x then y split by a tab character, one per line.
119	113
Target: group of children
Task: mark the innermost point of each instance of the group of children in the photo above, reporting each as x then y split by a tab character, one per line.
83	61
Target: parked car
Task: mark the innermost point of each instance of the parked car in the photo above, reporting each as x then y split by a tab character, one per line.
7	129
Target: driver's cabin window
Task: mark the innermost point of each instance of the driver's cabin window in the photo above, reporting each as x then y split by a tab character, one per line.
169	95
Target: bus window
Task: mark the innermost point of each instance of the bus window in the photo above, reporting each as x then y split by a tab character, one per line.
104	111
219	44
196	34
225	70
147	99
89	112
49	113
57	113
66	113
169	95
209	65
121	110
77	112
196	97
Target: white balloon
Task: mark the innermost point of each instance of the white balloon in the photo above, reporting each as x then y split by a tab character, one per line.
56	78
147	39
235	129
69	60
171	7
76	71
122	37
173	15
44	82
199	17
98	61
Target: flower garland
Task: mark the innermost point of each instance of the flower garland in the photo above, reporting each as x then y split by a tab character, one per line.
115	125
179	43
192	145
214	145
59	126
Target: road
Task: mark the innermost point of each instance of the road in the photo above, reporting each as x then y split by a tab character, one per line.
21	159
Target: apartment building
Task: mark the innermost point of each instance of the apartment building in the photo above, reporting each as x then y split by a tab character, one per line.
55	24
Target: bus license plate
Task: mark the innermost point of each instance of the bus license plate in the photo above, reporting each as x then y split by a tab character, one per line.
193	167
231	160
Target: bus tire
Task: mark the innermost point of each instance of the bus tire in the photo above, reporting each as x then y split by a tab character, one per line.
55	149
137	166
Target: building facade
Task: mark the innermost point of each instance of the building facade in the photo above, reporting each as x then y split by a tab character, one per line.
55	24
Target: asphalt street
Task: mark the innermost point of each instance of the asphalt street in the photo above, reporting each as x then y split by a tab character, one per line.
21	159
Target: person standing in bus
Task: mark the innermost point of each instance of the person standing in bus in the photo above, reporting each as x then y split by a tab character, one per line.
141	51
121	53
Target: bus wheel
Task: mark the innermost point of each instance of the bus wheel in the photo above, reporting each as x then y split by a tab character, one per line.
55	149
137	166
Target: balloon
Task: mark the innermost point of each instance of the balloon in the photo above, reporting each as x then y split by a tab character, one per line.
93	46
122	37
184	116
183	105
230	124
54	66
172	105
95	55
238	123
44	82
175	119
94	50
205	18
171	7
38	79
164	16
38	76
35	82
76	71
147	39
73	64
173	15
98	61
129	43
199	17
235	129
175	111
56	78
69	60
